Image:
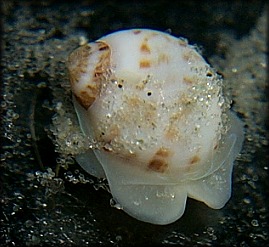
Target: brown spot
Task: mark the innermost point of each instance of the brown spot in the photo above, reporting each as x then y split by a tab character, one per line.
145	48
144	64
137	31
102	67
216	146
102	46
158	165
163	152
195	159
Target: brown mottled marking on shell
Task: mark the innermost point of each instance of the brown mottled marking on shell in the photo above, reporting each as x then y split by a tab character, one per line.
136	31
77	63
101	69
102	45
158	165
163	152
195	159
144	48
144	63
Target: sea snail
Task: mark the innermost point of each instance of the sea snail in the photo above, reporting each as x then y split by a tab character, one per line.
162	127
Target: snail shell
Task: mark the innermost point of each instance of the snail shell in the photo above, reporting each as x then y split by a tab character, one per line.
156	111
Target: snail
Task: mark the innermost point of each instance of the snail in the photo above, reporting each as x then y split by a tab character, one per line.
162	128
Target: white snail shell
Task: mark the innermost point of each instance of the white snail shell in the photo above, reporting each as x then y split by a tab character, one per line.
156	111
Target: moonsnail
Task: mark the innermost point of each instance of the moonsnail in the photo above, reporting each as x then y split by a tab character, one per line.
162	127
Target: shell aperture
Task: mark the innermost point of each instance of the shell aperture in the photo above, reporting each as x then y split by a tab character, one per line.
162	127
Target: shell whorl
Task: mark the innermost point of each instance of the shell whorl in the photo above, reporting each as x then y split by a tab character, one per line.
88	66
